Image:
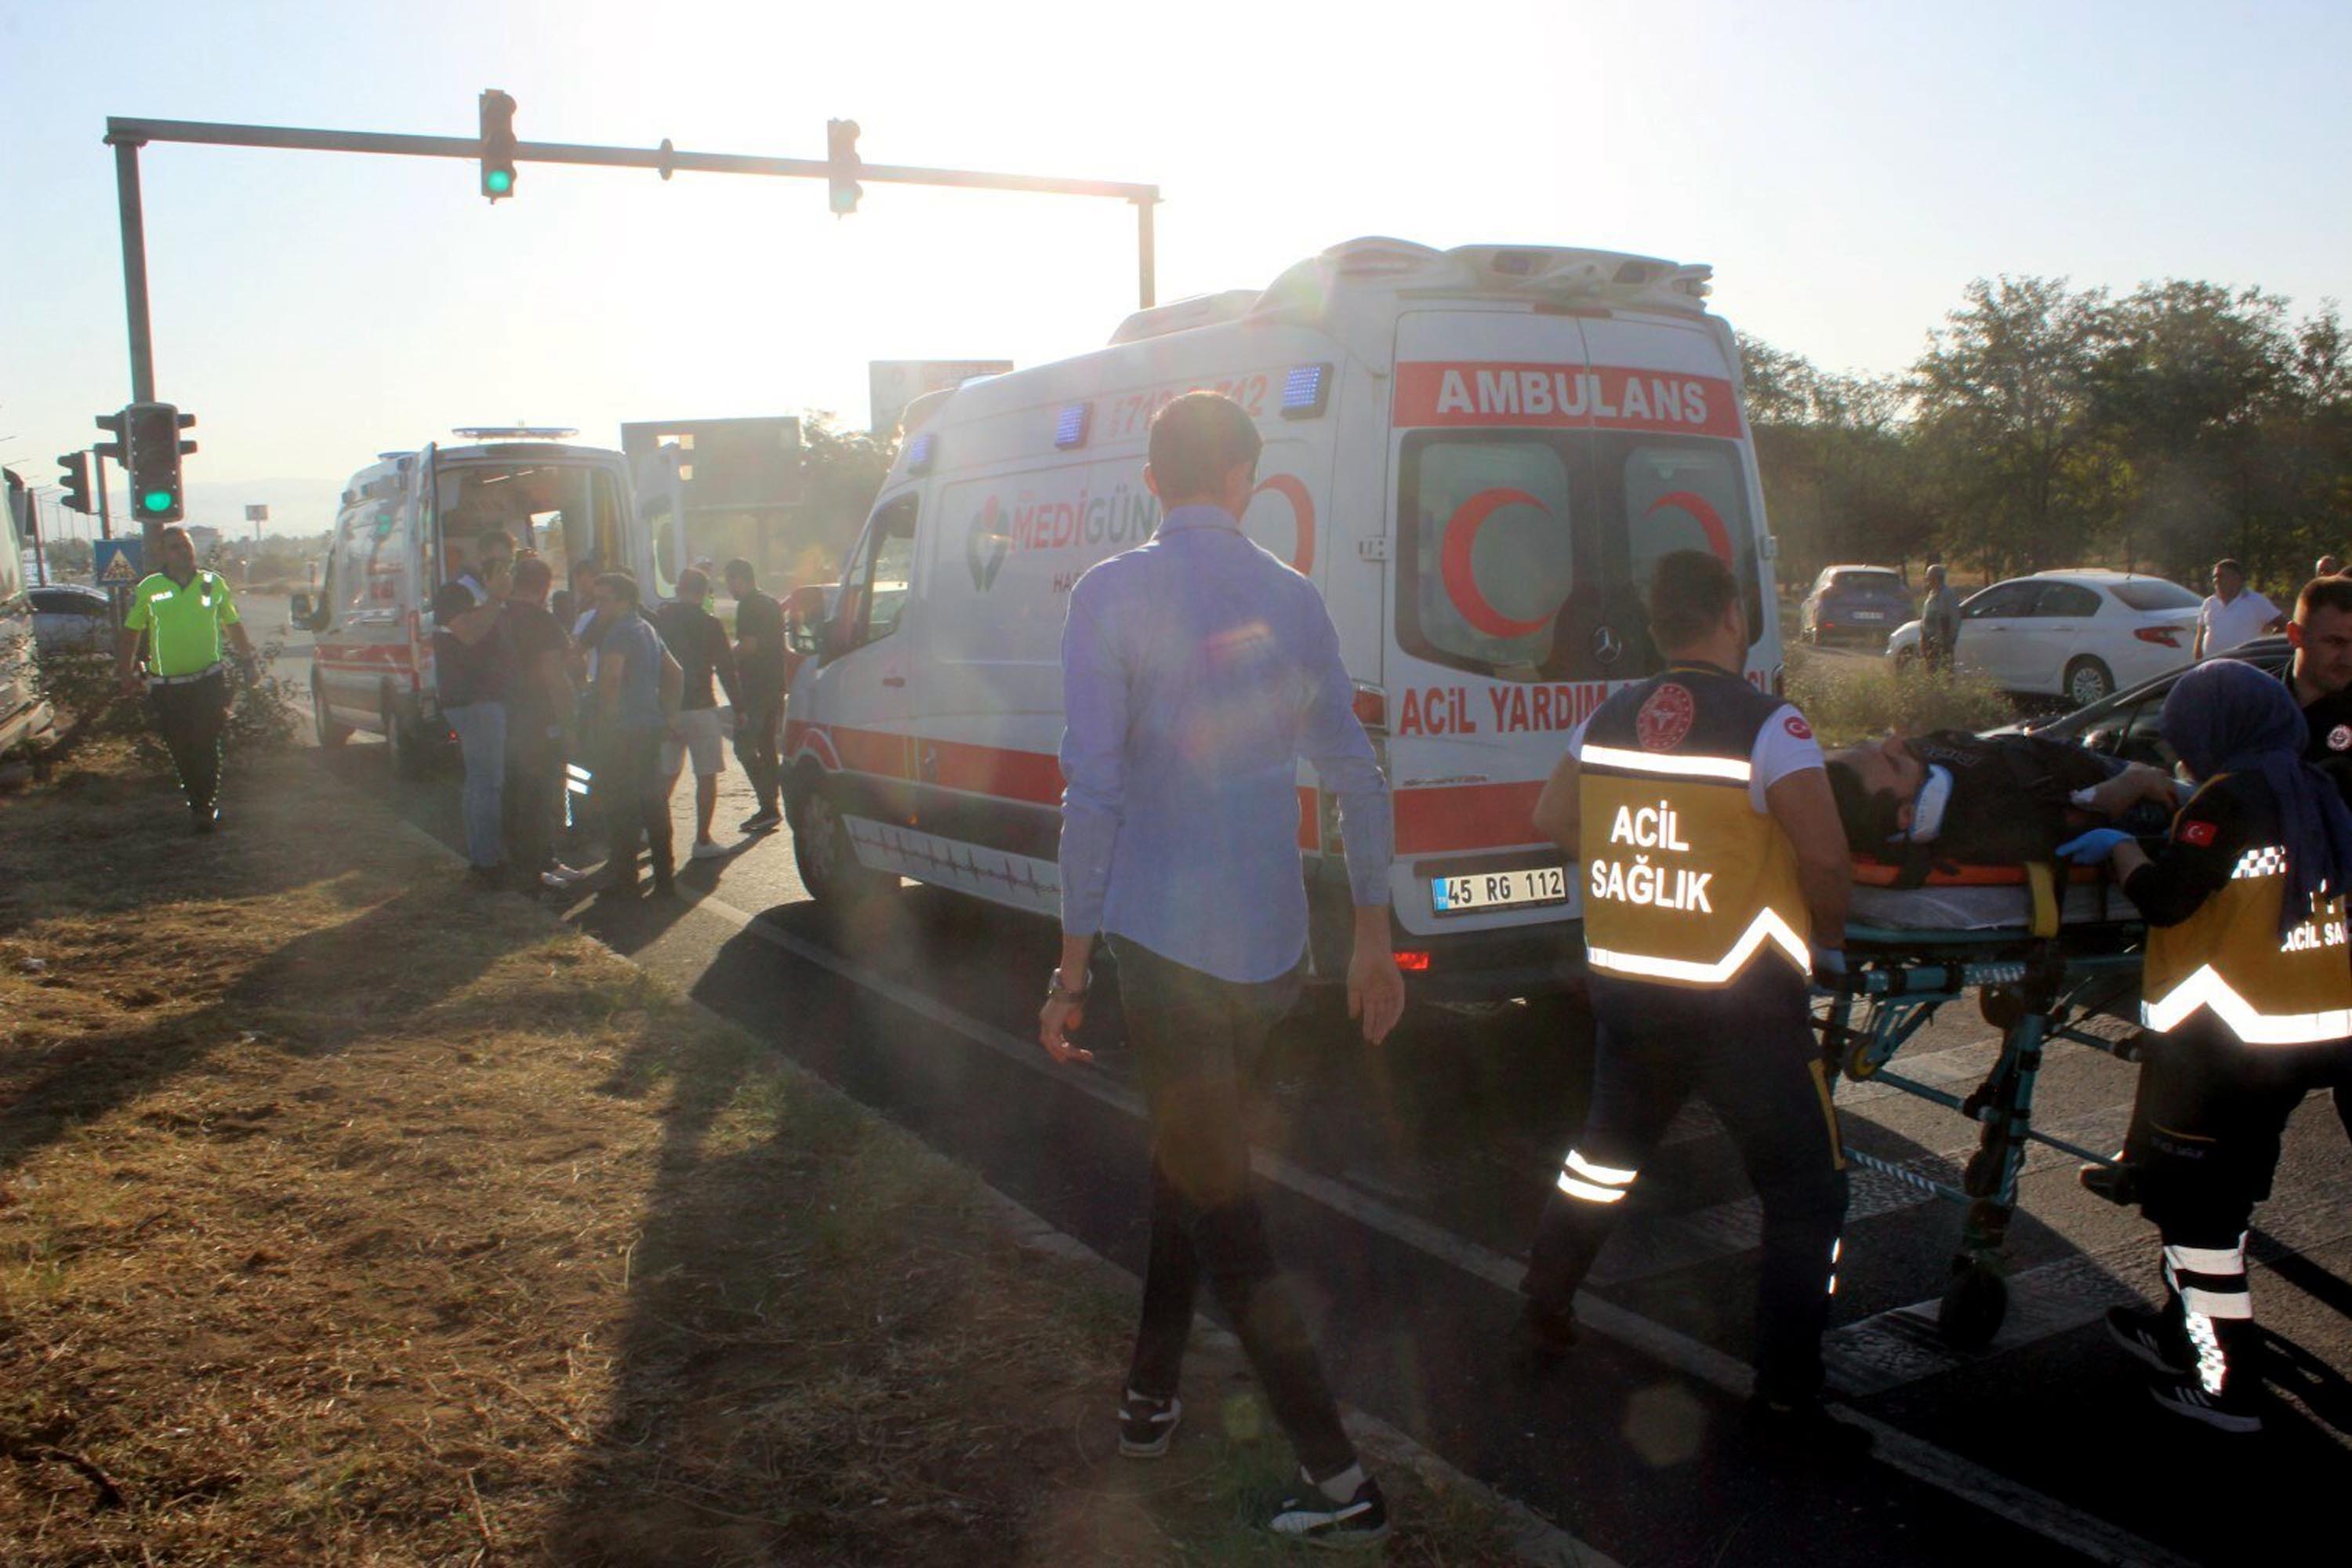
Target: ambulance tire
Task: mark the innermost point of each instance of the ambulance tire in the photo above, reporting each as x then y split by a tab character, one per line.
322	723
825	857
412	758
1973	1309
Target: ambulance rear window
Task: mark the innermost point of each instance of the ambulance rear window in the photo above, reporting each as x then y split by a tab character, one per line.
1687	493
1490	548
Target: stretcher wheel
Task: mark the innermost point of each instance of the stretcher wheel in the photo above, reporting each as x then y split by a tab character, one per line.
1972	1311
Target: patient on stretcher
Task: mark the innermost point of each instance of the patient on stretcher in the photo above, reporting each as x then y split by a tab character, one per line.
1951	798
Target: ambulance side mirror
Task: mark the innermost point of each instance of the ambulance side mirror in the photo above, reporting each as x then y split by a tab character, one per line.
804	621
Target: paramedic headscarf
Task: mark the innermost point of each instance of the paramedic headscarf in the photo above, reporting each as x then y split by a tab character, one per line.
2226	717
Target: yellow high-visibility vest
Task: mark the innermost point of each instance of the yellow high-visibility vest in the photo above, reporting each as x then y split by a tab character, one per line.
2228	960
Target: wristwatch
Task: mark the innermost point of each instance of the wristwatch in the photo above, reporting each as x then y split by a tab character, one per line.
1057	992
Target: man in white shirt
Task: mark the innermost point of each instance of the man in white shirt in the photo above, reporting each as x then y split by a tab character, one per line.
2234	613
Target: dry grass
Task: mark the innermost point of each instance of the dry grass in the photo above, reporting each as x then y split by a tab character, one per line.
348	1216
1849	699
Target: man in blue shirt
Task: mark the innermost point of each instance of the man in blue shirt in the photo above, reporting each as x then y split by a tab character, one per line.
1197	671
630	727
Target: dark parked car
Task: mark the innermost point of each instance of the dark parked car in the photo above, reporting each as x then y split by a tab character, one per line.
2125	725
70	619
1856	603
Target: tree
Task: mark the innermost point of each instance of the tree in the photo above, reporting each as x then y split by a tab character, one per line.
2007	425
1841	482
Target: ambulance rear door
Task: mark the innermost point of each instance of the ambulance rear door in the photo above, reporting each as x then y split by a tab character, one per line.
1505	618
659	548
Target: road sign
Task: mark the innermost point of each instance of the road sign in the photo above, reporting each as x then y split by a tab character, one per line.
892	384
257	514
117	562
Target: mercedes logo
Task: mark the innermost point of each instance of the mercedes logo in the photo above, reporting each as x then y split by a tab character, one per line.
1605	645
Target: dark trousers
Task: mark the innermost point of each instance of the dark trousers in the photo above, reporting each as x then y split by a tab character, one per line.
633	796
534	795
759	744
1197	1041
191	717
2207	1126
1748	1051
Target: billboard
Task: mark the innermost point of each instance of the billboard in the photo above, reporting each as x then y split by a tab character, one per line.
892	384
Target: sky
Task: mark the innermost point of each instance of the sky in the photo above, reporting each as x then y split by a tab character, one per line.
1846	168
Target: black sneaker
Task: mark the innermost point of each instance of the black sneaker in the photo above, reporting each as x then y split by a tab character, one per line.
2153	1336
2118	1182
1544	1335
1314	1519
2233	1409
766	821
1803	1433
1147	1425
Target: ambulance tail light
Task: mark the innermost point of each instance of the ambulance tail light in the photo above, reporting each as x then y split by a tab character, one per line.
2163	636
1305	391
1413	961
1371	705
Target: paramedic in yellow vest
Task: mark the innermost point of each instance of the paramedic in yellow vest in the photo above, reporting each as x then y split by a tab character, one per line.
2248	985
183	612
1715	877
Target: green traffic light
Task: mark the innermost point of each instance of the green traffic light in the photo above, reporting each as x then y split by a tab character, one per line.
156	501
500	181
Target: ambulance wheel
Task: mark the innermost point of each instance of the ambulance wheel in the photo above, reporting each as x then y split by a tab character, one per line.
409	758
2088	682
322	723
827	857
1972	1311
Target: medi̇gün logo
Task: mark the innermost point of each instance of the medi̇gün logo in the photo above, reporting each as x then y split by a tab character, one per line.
986	544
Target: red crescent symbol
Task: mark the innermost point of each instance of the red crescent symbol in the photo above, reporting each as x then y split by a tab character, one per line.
1302	507
1461	536
1718	538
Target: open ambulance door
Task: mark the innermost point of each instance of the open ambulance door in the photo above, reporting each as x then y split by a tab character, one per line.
660	483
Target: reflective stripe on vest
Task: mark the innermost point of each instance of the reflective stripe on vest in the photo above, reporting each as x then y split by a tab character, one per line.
2228	960
1685	882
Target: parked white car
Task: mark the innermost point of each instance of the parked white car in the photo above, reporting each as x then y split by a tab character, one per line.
69	618
2079	634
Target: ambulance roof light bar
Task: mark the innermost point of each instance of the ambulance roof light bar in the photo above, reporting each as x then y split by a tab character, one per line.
1305	391
515	432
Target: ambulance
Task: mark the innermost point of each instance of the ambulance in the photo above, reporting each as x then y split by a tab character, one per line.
409	522
1476	454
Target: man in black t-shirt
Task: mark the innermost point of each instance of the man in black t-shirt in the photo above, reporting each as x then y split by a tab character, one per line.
759	692
699	642
538	702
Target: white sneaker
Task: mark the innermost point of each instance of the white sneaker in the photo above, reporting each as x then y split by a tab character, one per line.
563	876
712	851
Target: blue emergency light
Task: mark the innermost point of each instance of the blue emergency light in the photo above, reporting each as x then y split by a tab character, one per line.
920	450
1070	429
1305	391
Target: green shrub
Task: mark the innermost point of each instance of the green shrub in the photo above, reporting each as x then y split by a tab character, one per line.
1851	700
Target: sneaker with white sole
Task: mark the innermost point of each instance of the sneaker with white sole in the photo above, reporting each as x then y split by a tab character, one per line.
1146	1424
712	851
2233	1408
561	875
764	822
1314	1519
2153	1336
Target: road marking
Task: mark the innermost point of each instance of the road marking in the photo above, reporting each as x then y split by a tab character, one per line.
1900	1346
1914	1457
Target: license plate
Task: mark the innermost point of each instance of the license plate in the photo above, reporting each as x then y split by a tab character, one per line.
1498	890
1870	615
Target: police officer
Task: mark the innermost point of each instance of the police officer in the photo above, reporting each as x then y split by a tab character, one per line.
184	612
1715	877
2248	985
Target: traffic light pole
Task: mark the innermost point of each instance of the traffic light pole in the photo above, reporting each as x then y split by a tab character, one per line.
105	512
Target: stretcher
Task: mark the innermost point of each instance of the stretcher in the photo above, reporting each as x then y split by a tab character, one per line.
2044	956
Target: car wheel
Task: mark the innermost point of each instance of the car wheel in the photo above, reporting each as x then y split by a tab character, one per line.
322	723
2088	682
1906	660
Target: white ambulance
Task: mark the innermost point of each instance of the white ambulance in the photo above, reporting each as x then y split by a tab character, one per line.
409	522
1476	454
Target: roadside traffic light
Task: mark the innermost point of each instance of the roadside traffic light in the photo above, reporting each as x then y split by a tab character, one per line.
841	151
76	484
497	144
119	448
154	464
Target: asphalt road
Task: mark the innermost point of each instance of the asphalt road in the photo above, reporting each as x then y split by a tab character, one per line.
1403	1183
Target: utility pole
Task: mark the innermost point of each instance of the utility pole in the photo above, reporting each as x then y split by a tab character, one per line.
105	512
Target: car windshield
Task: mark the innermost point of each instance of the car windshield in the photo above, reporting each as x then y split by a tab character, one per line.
2154	593
1867	583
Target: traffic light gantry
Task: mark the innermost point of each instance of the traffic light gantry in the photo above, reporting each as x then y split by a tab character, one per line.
498	144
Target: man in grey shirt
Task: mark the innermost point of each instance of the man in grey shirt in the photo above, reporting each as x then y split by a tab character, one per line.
1197	671
630	727
1939	621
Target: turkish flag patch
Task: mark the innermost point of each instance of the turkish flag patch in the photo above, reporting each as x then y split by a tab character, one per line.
1795	724
2200	834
